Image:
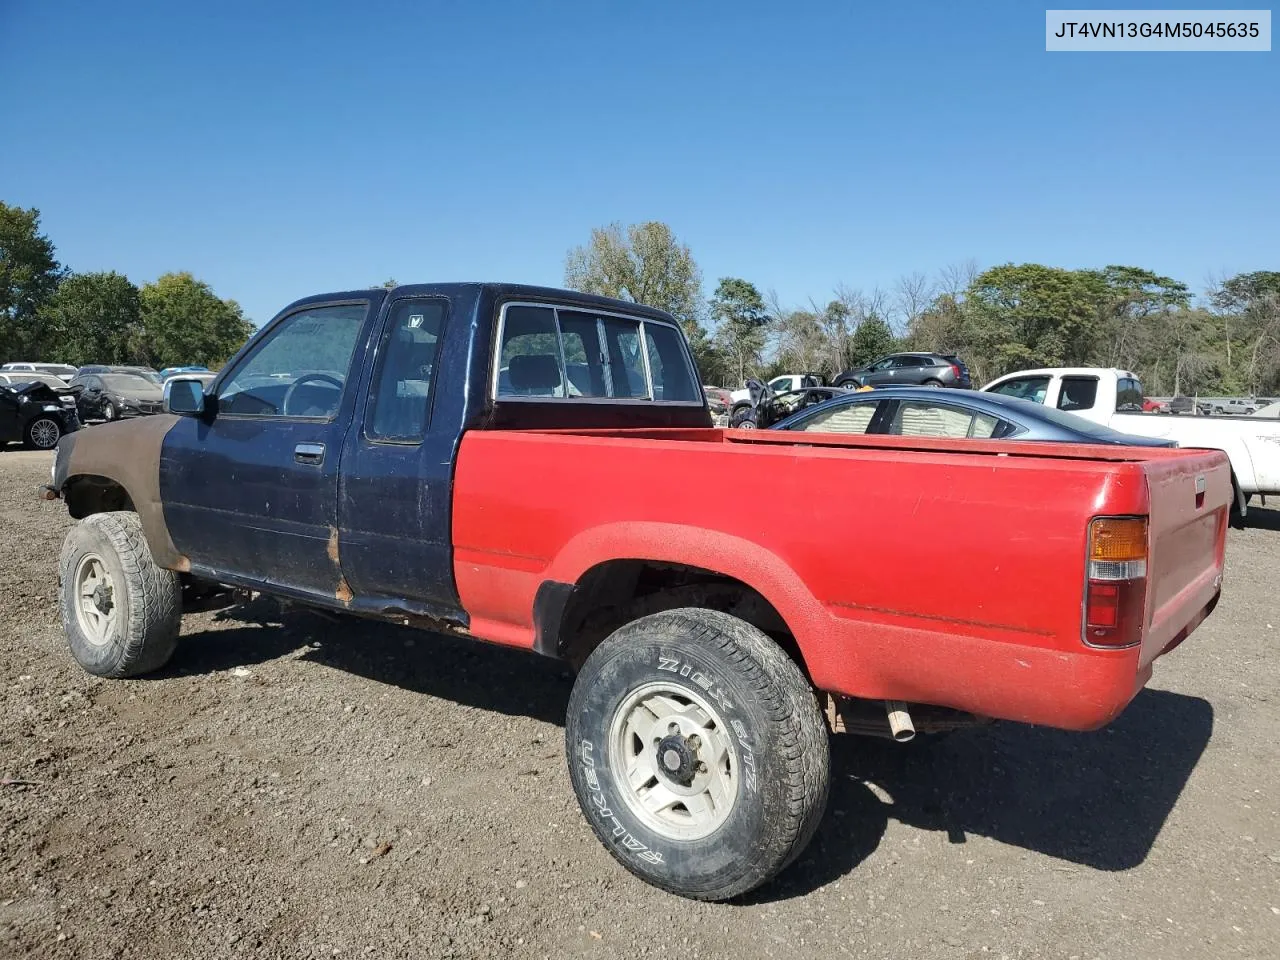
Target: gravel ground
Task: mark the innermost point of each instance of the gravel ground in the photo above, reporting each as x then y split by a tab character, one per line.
297	787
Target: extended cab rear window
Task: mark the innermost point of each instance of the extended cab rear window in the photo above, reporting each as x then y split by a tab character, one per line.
574	353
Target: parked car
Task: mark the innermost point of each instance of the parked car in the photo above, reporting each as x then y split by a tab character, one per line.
707	636
147	373
1271	410
719	399
959	415
767	407
32	413
1182	405
61	390
1114	398
63	371
782	384
168	372
916	369
116	396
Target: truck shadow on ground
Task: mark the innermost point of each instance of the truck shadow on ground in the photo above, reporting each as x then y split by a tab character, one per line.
1096	800
1261	518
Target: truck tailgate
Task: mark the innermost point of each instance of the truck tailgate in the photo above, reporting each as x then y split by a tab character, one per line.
1190	505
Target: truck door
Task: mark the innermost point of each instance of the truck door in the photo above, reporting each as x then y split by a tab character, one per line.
395	502
250	490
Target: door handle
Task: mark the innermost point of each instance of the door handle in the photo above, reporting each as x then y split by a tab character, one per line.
312	453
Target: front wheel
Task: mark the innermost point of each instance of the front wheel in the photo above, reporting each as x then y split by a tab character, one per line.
42	433
121	611
697	752
108	412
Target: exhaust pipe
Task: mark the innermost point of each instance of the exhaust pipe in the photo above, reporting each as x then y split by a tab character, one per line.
900	726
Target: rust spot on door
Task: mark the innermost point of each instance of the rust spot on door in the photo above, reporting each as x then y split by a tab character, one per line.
343	592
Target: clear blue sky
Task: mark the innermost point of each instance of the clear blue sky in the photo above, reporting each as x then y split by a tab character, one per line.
281	149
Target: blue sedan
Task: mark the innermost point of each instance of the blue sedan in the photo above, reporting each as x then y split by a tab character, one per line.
955	414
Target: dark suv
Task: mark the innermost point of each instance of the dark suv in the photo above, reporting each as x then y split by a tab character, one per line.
914	369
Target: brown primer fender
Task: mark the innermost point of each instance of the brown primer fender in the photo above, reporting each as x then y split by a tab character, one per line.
128	453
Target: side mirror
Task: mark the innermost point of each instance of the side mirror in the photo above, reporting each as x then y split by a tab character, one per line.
184	396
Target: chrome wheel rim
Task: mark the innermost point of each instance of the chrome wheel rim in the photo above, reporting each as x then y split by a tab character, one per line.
673	761
45	433
747	425
95	600
108	412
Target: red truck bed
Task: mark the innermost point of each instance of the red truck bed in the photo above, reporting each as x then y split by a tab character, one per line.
930	571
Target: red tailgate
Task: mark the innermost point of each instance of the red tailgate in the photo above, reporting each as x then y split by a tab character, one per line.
1190	504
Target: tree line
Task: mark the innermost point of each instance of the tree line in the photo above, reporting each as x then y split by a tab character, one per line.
1224	342
50	313
1005	318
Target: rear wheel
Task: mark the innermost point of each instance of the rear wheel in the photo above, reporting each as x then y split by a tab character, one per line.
698	753
42	433
932	383
121	611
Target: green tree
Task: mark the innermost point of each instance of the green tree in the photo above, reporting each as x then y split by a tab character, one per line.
185	322
741	321
1249	311
29	274
871	341
646	264
1029	315
94	318
1132	306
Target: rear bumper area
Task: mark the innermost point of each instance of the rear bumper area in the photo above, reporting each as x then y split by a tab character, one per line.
1079	690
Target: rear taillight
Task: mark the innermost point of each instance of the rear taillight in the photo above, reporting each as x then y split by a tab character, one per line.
955	369
1116	590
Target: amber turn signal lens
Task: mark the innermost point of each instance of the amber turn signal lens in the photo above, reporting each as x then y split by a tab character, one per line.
1118	539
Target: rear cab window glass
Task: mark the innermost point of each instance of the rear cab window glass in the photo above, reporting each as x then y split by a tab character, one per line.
1080	393
529	363
579	354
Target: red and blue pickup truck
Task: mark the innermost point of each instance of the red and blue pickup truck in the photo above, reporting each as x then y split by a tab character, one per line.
527	466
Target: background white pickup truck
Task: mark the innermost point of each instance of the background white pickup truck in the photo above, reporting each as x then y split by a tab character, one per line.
1114	398
788	381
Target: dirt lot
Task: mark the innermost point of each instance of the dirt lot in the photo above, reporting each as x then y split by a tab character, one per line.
295	787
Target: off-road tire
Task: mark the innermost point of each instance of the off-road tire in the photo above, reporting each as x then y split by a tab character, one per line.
772	720
150	597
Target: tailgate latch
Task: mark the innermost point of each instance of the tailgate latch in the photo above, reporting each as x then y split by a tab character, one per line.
1199	491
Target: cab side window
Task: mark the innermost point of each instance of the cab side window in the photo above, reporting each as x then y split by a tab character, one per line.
1128	395
407	356
1027	388
1080	393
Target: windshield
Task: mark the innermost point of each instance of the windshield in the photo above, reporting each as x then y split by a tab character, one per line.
128	383
18	379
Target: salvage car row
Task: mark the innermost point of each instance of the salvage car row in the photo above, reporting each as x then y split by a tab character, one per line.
40	402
